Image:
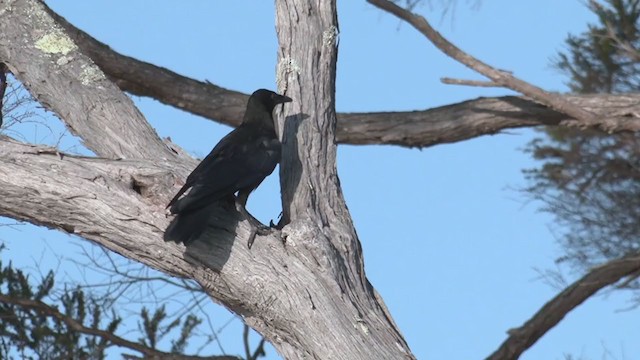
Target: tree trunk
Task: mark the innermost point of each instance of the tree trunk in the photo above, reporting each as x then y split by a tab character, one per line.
303	287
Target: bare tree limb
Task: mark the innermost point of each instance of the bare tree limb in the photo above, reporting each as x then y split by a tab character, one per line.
445	124
309	296
144	79
478	83
100	203
61	78
50	311
584	118
245	342
554	311
483	116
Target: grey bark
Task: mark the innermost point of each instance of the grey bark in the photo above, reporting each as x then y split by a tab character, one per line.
445	124
41	55
304	287
308	296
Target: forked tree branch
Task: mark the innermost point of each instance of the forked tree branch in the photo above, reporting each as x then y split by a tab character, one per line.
75	325
583	117
64	80
439	125
554	311
119	204
145	79
304	295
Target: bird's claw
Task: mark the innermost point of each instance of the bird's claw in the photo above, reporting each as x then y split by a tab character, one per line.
257	230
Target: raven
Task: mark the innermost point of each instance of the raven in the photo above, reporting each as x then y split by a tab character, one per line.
237	164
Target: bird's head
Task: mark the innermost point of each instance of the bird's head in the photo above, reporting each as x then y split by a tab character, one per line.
266	99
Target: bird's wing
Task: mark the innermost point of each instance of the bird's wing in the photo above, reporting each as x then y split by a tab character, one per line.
242	159
224	149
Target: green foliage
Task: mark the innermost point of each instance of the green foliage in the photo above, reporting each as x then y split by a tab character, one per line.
36	324
30	333
604	59
589	180
154	329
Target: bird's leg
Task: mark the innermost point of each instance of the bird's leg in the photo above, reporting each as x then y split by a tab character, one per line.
277	226
257	228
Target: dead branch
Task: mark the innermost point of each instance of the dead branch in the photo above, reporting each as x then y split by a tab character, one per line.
445	124
522	338
478	83
584	118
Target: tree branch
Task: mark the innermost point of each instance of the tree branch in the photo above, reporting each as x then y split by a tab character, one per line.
62	79
554	311
478	83
110	202
483	116
77	326
445	124
584	118
144	79
100	203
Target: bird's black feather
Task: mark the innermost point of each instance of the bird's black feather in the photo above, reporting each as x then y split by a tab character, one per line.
238	163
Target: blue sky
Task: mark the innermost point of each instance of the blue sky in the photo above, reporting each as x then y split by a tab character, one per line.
449	241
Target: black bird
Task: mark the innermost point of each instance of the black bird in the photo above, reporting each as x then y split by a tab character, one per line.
238	163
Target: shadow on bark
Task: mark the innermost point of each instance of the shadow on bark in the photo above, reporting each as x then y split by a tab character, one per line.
290	165
213	246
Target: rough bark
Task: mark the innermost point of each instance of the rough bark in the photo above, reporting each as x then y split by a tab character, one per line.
308	296
446	124
303	287
483	116
312	200
287	292
40	54
144	79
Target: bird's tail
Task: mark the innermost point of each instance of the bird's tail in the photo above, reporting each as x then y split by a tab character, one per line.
187	227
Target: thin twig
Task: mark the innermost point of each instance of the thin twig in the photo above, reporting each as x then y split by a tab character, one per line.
245	342
623	45
259	351
585	118
520	339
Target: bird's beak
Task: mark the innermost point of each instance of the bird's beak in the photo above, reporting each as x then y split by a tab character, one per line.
284	99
